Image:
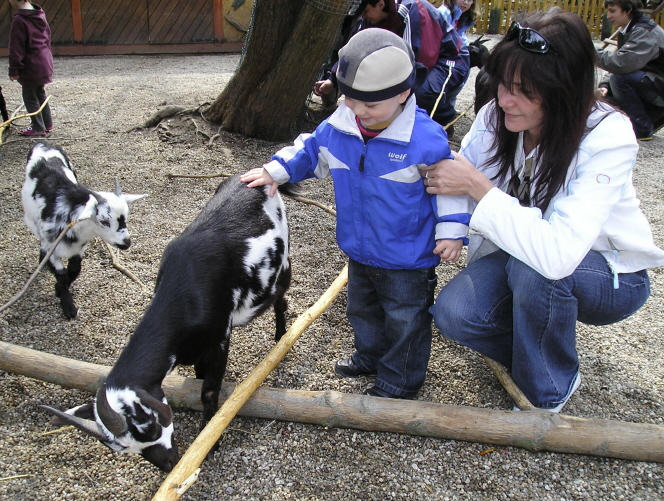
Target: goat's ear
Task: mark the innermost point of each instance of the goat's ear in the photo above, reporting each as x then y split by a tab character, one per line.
90	209
85	425
164	411
132	198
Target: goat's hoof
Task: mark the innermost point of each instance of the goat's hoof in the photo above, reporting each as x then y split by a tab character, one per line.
70	313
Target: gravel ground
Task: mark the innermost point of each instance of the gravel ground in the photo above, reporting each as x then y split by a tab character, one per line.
95	101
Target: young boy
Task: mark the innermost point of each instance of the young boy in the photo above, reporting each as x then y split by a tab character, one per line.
31	62
386	222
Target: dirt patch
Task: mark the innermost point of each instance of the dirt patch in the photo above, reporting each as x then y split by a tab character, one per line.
95	102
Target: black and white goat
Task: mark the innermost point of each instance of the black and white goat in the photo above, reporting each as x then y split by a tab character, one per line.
52	198
228	266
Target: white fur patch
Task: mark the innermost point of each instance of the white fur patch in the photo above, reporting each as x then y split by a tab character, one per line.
117	398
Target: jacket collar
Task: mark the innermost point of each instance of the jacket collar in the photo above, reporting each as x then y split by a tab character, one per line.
401	129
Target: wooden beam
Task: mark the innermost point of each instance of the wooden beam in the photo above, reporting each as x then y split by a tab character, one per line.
218	19
77	20
533	429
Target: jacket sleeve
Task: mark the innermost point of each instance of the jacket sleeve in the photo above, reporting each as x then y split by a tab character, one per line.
17	42
301	160
555	246
452	212
637	51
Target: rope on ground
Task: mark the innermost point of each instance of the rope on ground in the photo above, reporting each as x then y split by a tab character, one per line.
41	265
13	118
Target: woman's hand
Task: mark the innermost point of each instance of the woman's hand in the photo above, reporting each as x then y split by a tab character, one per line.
259	177
455	176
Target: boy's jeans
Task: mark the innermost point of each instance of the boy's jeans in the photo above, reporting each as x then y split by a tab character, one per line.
389	312
507	311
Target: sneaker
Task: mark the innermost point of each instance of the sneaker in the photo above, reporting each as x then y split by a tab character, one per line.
49	129
30	132
348	368
375	391
559	407
645	137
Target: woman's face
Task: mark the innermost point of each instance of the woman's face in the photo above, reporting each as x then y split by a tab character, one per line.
618	17
464	5
522	114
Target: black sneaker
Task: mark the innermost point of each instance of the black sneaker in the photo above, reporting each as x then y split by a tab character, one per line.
375	391
348	368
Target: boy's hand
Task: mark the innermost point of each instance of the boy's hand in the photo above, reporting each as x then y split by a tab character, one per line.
448	250
259	177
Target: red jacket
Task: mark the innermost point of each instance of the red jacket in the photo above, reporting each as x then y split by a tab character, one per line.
30	58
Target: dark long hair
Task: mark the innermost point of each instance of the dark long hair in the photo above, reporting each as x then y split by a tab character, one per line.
563	79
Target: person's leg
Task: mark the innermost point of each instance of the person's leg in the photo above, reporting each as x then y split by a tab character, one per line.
544	357
633	92
475	308
366	316
428	93
405	296
46	112
32	104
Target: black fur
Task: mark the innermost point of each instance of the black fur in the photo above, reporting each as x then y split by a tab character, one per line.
190	315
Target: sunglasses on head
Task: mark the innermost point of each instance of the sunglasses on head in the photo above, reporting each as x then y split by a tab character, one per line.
528	39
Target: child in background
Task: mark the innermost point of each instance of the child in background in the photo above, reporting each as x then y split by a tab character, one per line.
31	62
392	231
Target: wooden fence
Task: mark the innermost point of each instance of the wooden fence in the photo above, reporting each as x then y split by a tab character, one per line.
140	26
496	15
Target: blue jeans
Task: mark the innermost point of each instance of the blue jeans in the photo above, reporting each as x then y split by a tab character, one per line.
635	93
389	312
507	311
427	93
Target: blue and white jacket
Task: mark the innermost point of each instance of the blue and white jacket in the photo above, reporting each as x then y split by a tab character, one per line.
385	217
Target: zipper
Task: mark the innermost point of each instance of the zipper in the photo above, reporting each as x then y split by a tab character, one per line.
616	284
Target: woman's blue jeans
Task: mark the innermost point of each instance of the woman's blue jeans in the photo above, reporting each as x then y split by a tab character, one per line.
507	311
389	312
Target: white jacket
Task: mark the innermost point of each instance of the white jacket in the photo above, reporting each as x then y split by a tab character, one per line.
596	207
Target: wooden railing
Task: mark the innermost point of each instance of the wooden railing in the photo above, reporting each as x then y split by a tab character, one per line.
496	15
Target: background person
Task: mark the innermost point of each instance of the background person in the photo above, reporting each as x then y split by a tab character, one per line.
435	43
558	235
636	68
393	232
31	62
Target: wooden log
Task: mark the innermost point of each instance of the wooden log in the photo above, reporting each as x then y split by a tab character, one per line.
533	429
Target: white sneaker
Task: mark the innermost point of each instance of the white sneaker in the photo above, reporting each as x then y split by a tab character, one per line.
575	384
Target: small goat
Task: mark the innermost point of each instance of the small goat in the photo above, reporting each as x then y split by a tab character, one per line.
228	266
52	198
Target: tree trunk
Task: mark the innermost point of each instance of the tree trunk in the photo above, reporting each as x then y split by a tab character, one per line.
286	45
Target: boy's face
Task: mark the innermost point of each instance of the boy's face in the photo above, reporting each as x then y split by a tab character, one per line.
618	17
378	112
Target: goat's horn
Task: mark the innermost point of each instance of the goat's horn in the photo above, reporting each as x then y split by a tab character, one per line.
85	425
113	421
117	190
164	412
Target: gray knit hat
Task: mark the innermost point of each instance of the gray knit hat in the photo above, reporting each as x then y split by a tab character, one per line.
375	65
